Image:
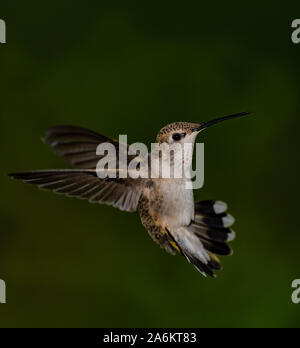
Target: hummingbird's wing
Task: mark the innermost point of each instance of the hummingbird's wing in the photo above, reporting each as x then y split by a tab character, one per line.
78	145
120	193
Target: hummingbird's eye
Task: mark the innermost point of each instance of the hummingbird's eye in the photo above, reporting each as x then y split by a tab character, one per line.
176	136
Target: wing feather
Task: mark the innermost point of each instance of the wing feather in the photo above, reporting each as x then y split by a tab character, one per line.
123	194
78	145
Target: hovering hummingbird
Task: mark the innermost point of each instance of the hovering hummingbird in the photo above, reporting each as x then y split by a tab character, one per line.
197	230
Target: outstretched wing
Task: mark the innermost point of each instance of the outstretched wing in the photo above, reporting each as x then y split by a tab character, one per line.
120	193
78	145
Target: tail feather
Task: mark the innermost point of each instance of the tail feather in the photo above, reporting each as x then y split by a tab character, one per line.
212	233
192	249
211	226
211	207
212	222
216	247
206	236
204	268
214	262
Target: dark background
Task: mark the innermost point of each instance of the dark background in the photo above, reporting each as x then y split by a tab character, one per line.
133	68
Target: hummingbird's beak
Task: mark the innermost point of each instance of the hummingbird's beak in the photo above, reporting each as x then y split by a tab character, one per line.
217	120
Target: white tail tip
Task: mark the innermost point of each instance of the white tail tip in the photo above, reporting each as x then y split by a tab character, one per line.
220	207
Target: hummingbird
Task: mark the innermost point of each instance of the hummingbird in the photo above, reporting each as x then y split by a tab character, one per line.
200	231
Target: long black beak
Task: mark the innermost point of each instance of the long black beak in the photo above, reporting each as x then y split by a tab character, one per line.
217	120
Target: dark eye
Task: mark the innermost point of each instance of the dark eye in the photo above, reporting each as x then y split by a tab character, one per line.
176	136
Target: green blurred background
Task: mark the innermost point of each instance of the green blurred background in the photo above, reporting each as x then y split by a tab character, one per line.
132	68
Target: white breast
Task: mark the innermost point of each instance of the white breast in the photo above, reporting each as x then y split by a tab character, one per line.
177	206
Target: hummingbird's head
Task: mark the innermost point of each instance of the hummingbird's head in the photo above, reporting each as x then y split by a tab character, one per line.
177	132
185	132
